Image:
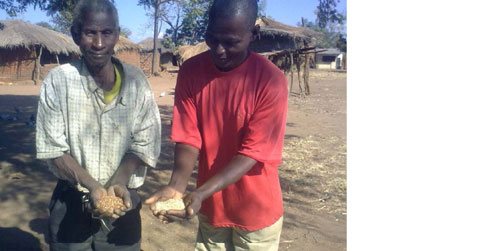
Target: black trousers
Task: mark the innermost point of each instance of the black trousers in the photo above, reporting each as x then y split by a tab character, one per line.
73	228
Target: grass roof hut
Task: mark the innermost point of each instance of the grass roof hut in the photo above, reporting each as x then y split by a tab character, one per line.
185	52
276	36
128	52
289	47
25	48
166	56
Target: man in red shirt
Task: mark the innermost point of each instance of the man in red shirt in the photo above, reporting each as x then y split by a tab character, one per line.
230	111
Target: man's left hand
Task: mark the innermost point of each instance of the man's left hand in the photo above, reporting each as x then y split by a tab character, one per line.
123	193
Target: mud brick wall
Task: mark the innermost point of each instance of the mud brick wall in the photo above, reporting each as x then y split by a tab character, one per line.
17	64
132	57
146	63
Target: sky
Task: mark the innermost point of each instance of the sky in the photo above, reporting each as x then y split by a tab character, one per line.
134	17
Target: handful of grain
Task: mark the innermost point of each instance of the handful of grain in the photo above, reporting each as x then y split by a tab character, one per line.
108	203
171	204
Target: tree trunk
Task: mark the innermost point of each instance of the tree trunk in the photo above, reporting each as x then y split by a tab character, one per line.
155	40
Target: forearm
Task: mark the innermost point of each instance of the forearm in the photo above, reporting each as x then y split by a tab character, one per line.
233	171
185	160
74	172
129	164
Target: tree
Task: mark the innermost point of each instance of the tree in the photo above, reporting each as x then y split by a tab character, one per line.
261	12
327	36
62	20
195	21
172	15
341	43
59	10
327	13
46	25
126	32
155	6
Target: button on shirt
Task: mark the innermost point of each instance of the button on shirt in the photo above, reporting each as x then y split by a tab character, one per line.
73	118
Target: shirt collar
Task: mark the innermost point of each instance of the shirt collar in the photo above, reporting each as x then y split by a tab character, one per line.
90	86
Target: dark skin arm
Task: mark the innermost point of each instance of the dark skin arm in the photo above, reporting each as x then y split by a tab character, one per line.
233	171
116	186
74	173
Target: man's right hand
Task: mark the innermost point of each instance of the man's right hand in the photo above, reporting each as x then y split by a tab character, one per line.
162	194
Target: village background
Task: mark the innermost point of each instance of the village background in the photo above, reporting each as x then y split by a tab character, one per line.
312	53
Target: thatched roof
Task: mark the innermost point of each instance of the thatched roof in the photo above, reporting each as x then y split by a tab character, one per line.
16	33
147	45
125	44
187	51
274	28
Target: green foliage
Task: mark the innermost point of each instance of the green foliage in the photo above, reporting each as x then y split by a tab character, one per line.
126	32
15	7
328	37
168	43
59	10
341	43
327	13
261	12
63	21
46	25
194	22
186	20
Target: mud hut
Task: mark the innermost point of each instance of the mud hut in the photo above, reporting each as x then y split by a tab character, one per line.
166	56
29	51
128	52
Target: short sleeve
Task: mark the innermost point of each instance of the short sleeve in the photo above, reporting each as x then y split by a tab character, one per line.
146	133
51	141
185	128
264	136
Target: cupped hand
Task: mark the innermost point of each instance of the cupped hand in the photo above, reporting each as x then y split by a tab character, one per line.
95	195
192	203
122	192
162	194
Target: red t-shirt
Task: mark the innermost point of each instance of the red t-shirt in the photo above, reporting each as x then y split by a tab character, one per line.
242	111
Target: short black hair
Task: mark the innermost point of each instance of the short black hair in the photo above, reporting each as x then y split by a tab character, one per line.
233	8
86	6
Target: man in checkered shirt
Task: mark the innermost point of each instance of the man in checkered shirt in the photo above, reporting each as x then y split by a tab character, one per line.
98	127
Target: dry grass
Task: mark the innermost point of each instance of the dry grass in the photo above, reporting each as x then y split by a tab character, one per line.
321	163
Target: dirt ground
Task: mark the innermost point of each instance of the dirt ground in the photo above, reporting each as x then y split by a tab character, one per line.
313	173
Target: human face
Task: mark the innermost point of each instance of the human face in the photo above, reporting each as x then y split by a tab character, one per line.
99	34
229	39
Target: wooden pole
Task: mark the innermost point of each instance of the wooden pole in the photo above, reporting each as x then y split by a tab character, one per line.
306	74
38	68
155	38
298	64
291	71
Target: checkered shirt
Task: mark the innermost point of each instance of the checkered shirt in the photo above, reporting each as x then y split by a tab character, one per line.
73	118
